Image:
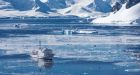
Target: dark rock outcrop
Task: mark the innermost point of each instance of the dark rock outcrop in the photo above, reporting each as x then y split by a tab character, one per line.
42	7
116	7
131	3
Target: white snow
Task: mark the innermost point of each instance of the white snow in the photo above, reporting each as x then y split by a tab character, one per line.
13	13
29	13
77	9
123	16
44	1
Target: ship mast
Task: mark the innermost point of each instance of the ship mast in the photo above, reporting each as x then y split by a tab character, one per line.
40	45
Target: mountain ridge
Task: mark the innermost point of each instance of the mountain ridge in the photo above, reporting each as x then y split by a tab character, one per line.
80	8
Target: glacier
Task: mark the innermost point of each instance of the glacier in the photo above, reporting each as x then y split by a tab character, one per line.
122	16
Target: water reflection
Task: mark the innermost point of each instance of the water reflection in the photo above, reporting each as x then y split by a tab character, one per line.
42	63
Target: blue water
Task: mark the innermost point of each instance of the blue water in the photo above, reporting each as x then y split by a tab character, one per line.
104	58
26	65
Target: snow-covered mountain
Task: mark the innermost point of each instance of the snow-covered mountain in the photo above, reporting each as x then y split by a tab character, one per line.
81	8
85	8
12	8
127	12
33	7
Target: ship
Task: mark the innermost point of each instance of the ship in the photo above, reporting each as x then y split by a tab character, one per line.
42	53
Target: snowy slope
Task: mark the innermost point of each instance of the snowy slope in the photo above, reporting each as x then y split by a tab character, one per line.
122	16
36	8
20	8
13	8
79	9
14	13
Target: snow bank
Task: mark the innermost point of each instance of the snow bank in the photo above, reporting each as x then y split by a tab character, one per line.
13	13
29	13
122	16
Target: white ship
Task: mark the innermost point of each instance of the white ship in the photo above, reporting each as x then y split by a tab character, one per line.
42	53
